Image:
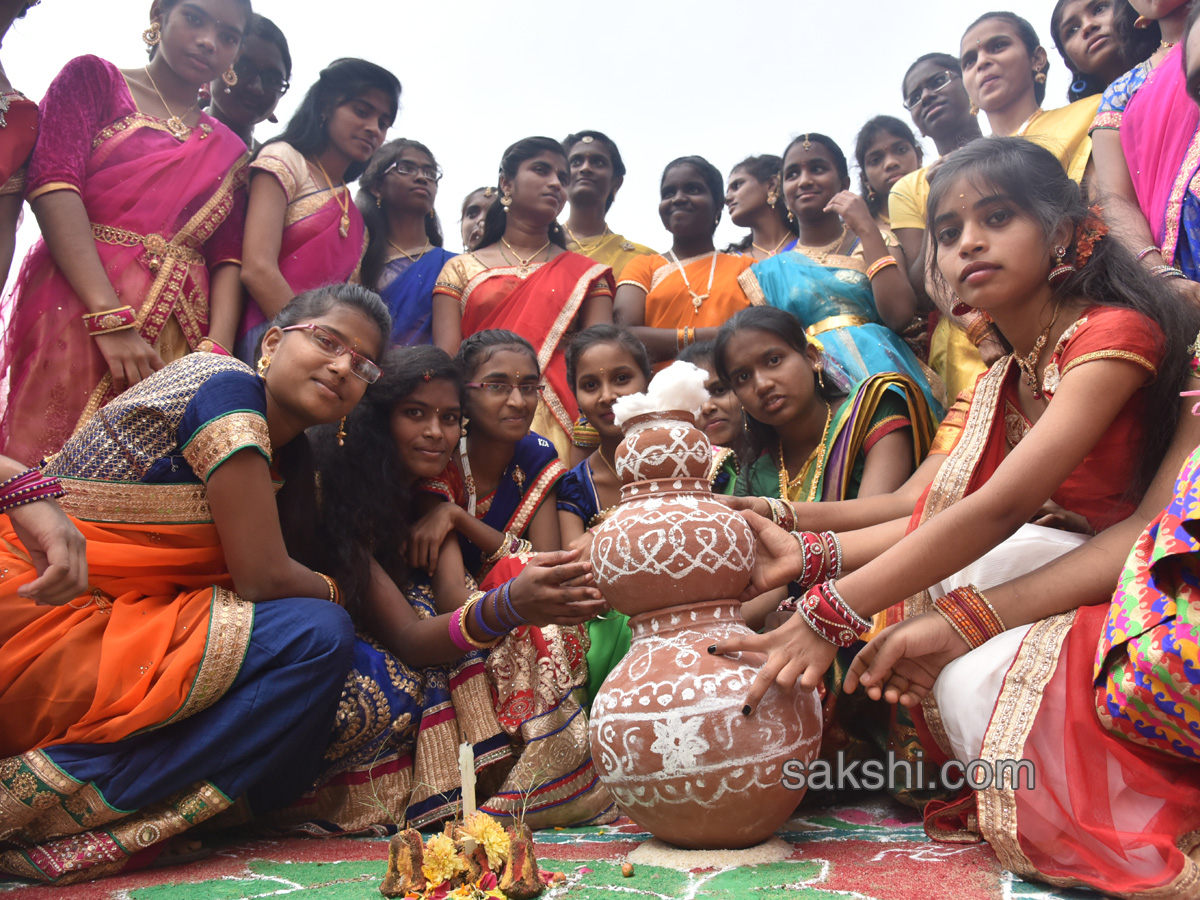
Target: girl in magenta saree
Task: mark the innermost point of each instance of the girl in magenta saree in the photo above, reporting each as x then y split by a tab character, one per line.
302	227
165	210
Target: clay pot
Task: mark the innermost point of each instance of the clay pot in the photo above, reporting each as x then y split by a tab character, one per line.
671	743
671	542
662	445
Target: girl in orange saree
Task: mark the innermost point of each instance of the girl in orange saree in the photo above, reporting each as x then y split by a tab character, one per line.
521	279
302	227
139	197
123	710
1100	389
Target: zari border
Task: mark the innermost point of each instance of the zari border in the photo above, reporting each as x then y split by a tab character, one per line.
535	496
748	282
230	624
1126	355
1175	201
1012	721
135	502
1107	120
659	275
464	293
583	287
224	436
718	461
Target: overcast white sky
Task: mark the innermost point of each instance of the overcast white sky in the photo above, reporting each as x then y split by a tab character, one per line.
664	79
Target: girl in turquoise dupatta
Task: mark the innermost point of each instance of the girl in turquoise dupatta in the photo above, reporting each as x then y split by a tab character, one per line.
851	291
405	254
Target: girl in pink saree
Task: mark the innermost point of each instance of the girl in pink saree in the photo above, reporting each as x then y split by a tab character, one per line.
139	197
302	227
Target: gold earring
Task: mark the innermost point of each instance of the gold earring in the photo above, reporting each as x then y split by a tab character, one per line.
771	198
821	377
973	110
506	200
791	216
153	34
229	76
341	433
264	363
1039	76
379	203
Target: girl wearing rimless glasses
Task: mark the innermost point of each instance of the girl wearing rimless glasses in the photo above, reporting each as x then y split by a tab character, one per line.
503	486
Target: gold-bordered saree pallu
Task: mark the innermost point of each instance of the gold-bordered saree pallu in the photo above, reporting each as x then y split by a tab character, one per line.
163	211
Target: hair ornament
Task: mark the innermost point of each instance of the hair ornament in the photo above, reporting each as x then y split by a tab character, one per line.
489	192
807	145
586	139
427	375
1090	230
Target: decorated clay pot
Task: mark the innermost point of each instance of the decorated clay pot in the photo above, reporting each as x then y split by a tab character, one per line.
673	747
670	541
662	445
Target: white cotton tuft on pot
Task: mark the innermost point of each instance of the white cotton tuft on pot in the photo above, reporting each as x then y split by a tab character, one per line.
679	386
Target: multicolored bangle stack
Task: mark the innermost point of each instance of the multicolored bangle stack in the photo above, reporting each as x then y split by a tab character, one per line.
29	486
472	611
979	329
1146	251
783	513
830	616
879	265
109	320
970	614
821	555
335	594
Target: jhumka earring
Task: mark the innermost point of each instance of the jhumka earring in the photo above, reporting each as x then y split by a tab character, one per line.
791	216
153	34
1061	270
959	308
771	198
341	432
506	200
1039	76
229	76
264	363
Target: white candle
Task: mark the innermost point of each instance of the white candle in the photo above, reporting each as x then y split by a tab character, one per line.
466	771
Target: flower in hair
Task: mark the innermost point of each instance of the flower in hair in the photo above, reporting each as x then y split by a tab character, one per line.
427	375
1090	230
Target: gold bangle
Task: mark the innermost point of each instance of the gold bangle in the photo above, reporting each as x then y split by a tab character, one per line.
335	595
502	551
462	623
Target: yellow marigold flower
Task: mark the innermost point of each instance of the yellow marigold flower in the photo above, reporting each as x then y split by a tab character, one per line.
490	835
442	861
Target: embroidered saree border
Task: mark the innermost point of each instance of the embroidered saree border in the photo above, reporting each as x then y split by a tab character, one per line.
748	282
164	299
1183	179
224	436
1009	728
126	502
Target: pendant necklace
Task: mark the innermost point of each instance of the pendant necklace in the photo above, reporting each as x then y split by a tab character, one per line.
771	253
524	266
818	454
1028	363
697	299
343	201
820	254
174	123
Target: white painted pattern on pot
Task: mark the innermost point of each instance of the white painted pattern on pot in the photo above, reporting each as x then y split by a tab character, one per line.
687	454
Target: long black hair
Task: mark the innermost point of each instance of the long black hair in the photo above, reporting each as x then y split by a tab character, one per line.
594	335
371	180
293	461
1136	45
495	220
1033	178
790	330
1028	36
366	505
762	169
614	155
342	80
878	203
712	179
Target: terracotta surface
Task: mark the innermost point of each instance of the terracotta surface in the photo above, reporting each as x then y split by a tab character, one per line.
668	735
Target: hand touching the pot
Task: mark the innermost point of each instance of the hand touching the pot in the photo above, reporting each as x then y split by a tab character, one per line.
777	557
556	589
793	652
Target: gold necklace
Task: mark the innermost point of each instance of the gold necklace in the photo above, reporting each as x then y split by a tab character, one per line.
607	465
1028	363
820	254
343	201
697	299
786	485
411	258
771	253
523	265
585	249
174	123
